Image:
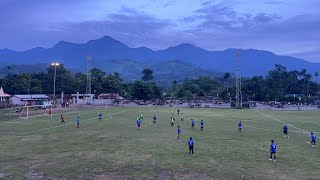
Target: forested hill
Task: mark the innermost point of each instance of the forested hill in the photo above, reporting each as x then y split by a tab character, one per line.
107	50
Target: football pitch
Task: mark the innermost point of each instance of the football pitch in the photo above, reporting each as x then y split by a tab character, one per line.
42	148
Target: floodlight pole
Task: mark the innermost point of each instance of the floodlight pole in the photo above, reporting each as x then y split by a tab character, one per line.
54	81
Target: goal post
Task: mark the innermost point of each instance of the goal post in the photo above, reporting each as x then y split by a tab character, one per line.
35	110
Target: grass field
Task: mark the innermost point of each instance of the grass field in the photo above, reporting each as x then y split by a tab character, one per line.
41	148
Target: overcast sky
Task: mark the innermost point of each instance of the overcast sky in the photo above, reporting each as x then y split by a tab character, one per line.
285	27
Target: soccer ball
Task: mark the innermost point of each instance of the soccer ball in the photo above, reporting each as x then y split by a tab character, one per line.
149	123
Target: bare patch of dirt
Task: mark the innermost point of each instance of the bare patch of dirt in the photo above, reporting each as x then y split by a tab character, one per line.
34	175
32	165
164	175
194	176
111	177
2	175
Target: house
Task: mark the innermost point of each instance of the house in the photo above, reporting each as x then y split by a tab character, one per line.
110	96
30	100
3	96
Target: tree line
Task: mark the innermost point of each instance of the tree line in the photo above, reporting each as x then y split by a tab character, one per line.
279	84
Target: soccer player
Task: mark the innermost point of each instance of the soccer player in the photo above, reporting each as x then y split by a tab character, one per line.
191	146
154	119
172	121
192	124
62	120
138	124
273	150
179	132
178	111
285	131
313	139
201	125
182	118
240	126
100	116
50	112
78	122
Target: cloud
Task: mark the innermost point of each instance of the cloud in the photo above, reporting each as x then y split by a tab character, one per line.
275	25
133	28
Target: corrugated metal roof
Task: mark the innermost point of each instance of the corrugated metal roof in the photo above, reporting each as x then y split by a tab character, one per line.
32	96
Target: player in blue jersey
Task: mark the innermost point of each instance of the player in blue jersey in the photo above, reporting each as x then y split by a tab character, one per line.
201	125
285	131
78	122
179	132
191	146
100	116
178	111
154	119
192	124
273	151
138	124
313	140
240	126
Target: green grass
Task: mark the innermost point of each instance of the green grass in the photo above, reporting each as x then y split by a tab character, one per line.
113	149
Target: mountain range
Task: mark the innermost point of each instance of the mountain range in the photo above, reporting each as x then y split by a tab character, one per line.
182	61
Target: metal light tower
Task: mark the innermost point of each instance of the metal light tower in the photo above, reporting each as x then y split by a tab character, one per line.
238	82
88	88
55	64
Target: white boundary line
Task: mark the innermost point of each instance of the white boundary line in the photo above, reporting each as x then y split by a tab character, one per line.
279	120
268	129
53	127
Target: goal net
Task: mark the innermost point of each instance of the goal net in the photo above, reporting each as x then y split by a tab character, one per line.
36	110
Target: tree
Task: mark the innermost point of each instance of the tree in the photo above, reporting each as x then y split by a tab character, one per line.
144	90
97	77
147	75
226	78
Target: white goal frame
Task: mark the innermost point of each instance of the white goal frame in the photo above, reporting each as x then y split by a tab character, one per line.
26	110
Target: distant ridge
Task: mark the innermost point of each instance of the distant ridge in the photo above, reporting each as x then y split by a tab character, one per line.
106	49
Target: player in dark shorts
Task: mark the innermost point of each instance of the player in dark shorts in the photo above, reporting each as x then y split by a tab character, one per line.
273	151
179	132
192	124
201	125
78	122
154	119
191	146
240	126
172	121
100	116
313	140
138	124
178	111
285	131
62	120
